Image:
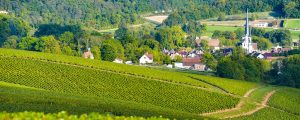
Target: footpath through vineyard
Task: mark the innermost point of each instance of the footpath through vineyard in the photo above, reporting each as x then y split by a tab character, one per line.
253	101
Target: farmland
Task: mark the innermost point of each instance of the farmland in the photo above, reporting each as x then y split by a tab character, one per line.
64	115
292	23
49	83
89	82
287	99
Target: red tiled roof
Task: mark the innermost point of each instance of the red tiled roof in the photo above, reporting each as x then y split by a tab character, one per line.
254	45
213	43
190	61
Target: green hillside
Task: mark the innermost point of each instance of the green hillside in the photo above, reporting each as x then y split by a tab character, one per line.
64	82
50	83
292	23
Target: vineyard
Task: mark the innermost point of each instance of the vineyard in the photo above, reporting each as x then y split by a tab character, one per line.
229	85
48	83
65	116
269	114
287	99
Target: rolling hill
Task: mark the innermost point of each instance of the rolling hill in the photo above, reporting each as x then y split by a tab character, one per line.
50	83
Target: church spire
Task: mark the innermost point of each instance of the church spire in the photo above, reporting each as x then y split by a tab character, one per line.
247	28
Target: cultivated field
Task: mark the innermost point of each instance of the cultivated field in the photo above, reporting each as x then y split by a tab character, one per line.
49	83
157	19
292	23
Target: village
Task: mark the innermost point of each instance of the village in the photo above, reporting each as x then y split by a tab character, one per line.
192	59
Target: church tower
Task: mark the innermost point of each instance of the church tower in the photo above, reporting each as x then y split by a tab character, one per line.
247	39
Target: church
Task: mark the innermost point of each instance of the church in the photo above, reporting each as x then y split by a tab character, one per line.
246	42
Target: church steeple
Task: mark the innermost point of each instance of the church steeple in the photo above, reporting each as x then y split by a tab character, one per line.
247	40
247	26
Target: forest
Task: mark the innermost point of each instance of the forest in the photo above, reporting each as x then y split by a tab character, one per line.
102	14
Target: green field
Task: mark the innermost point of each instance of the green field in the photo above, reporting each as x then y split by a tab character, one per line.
49	83
211	29
292	23
65	116
287	99
269	114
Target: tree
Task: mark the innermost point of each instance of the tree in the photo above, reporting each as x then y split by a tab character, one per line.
280	36
51	45
66	38
258	32
66	50
117	46
239	33
204	45
171	38
230	69
11	42
262	43
209	60
96	52
108	53
122	32
254	17
286	72
29	43
222	17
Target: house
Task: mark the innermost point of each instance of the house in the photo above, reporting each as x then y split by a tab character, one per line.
199	67
214	43
88	54
169	66
128	62
188	62
118	60
260	24
146	58
267	55
258	55
178	65
3	12
265	23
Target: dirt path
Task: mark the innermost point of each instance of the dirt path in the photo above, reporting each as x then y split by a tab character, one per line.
237	107
262	105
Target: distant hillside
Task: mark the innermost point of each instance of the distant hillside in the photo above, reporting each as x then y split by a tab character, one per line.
100	14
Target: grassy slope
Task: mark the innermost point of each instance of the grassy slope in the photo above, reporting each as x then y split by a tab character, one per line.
169	96
269	114
109	66
292	23
90	82
18	98
287	99
233	86
65	116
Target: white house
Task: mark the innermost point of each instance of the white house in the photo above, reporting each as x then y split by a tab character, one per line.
118	60
260	24
199	67
128	62
3	12
178	65
146	59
